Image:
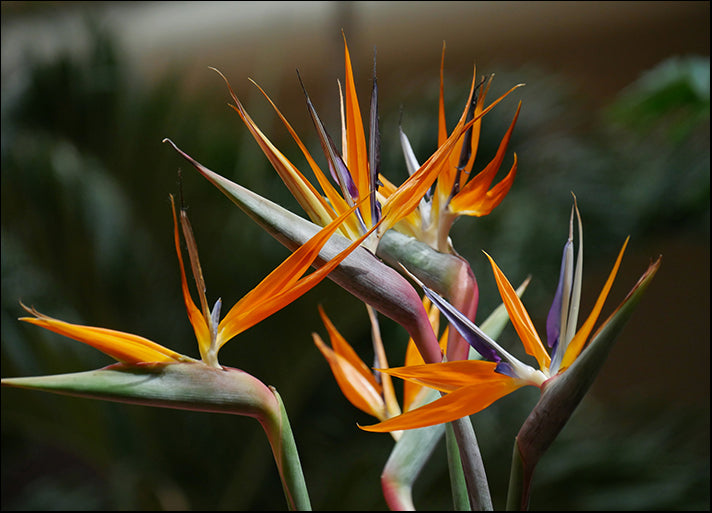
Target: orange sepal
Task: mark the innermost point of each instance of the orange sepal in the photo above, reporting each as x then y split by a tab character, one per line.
442	128
447	376
407	197
462	402
335	200
286	283
355	151
342	348
473	203
520	318
360	391
123	347
413	356
474	194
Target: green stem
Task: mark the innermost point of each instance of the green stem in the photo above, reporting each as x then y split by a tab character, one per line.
475	476
284	448
458	486
409	456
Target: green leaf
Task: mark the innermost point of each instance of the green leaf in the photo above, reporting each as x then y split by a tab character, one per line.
408	458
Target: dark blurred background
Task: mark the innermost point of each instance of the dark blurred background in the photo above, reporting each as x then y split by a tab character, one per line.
615	109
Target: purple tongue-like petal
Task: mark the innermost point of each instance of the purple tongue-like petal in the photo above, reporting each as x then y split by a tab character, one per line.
506	369
339	170
474	335
553	320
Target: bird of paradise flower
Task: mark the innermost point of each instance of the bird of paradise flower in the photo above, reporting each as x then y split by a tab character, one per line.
179	381
457	192
283	285
469	386
356	169
372	391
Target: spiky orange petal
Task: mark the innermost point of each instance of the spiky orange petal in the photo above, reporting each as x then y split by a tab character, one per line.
460	403
520	318
363	393
286	283
123	347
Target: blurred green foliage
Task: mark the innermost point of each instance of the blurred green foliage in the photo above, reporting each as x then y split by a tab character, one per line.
87	237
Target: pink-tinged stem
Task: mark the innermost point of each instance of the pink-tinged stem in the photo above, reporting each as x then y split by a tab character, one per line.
448	275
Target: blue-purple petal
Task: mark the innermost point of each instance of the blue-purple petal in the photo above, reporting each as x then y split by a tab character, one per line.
553	320
506	369
469	331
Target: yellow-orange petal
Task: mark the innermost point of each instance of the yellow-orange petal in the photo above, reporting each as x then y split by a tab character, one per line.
577	343
410	389
342	348
286	283
460	403
360	391
448	376
413	356
123	347
472	203
476	188
356	154
520	318
335	201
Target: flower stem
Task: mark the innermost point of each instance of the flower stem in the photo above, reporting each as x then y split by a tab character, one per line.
284	448
407	459
475	476
458	485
